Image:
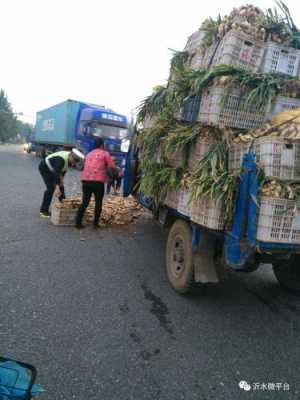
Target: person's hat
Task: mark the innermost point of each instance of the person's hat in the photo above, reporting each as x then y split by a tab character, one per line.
78	154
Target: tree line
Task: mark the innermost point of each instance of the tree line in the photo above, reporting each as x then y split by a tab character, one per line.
11	128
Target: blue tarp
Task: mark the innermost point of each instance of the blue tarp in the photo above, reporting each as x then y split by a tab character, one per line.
15	381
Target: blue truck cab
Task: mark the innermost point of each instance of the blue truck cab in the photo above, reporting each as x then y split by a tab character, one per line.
77	124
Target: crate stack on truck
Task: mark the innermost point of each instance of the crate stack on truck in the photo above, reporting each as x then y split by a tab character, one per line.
216	157
222	100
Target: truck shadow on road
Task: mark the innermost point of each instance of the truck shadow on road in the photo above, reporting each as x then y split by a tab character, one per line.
250	291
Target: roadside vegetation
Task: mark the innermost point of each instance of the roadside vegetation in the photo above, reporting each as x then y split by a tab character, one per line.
11	128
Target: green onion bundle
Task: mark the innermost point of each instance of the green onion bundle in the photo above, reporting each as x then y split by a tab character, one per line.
212	179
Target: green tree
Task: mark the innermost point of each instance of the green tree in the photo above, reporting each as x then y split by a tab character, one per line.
24	129
8	121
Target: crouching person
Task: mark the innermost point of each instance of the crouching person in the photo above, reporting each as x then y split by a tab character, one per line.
93	178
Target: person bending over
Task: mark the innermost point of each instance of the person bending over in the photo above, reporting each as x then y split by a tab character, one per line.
53	169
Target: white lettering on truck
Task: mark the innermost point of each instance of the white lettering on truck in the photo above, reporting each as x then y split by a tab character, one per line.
48	124
112	117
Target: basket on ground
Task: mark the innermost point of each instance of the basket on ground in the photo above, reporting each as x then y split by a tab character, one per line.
208	212
64	216
221	107
278	221
279	158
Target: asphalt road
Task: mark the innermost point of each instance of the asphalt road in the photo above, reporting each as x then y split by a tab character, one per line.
94	311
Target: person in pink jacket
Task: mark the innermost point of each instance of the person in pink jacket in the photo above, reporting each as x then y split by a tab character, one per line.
93	177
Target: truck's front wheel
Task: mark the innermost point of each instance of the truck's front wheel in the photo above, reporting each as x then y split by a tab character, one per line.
288	273
179	257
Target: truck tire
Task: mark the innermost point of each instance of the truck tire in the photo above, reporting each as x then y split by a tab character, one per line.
179	257
288	273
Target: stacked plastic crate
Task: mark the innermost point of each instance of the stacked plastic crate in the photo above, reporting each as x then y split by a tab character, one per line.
195	49
181	199
241	50
285	60
218	107
277	157
215	108
278	219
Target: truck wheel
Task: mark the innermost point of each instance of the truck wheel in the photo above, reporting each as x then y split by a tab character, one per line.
179	257
288	274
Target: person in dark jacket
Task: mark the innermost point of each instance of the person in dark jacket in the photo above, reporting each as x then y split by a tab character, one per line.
53	169
115	176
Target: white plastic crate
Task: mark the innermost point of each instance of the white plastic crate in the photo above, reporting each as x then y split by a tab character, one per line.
278	221
236	155
209	55
221	108
282	103
202	57
241	50
208	213
198	151
159	154
198	59
195	40
176	159
184	204
279	58
172	199
279	158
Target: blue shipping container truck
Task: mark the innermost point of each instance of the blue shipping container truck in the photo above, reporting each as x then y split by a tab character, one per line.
73	123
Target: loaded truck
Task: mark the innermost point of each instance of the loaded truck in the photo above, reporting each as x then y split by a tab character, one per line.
77	124
197	254
258	124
